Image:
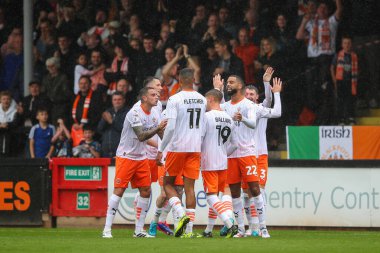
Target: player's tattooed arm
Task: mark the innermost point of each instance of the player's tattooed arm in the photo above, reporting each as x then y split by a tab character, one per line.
145	135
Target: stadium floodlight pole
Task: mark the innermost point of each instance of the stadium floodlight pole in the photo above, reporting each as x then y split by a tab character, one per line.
28	44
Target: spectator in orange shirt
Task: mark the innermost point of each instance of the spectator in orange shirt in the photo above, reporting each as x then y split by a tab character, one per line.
248	53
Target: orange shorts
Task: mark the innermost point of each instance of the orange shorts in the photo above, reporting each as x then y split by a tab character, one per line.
214	181
161	174
153	170
184	164
133	171
262	167
242	169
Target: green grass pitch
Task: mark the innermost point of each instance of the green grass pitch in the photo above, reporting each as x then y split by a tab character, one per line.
89	241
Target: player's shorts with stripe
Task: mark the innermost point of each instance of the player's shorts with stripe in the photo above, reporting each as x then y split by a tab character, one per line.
153	170
242	169
262	167
161	175
181	163
136	172
214	181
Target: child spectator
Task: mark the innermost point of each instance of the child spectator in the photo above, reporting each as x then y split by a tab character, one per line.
344	73
62	141
87	148
40	136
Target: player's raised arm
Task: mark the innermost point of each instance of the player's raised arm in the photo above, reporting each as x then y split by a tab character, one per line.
275	112
276	89
267	88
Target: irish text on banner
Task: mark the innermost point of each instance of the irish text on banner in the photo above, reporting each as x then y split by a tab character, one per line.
303	142
335	142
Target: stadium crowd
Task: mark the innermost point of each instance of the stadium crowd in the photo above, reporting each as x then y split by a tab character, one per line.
91	58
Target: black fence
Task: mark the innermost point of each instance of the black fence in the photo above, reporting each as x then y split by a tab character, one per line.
25	191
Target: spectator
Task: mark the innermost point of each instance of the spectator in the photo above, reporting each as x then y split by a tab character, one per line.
225	22
226	64
97	66
45	44
62	141
255	32
284	36
166	38
9	120
122	66
40	136
87	105
124	86
81	70
248	53
199	21
67	56
87	148
268	57
111	124
170	73
10	45
364	25
344	73
32	102
12	64
99	29
69	23
148	60
55	85
214	30
134	44
169	55
321	47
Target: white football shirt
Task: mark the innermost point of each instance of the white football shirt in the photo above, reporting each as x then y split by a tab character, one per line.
188	109
217	132
152	151
130	147
244	136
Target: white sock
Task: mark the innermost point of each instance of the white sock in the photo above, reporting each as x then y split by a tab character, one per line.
113	204
141	211
227	201
135	200
176	205
220	209
175	218
211	220
191	214
246	207
254	224
260	209
238	211
157	214
165	211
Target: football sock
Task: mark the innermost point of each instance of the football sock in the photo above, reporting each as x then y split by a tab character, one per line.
113	204
260	209
211	220
176	205
191	214
141	211
238	211
227	201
